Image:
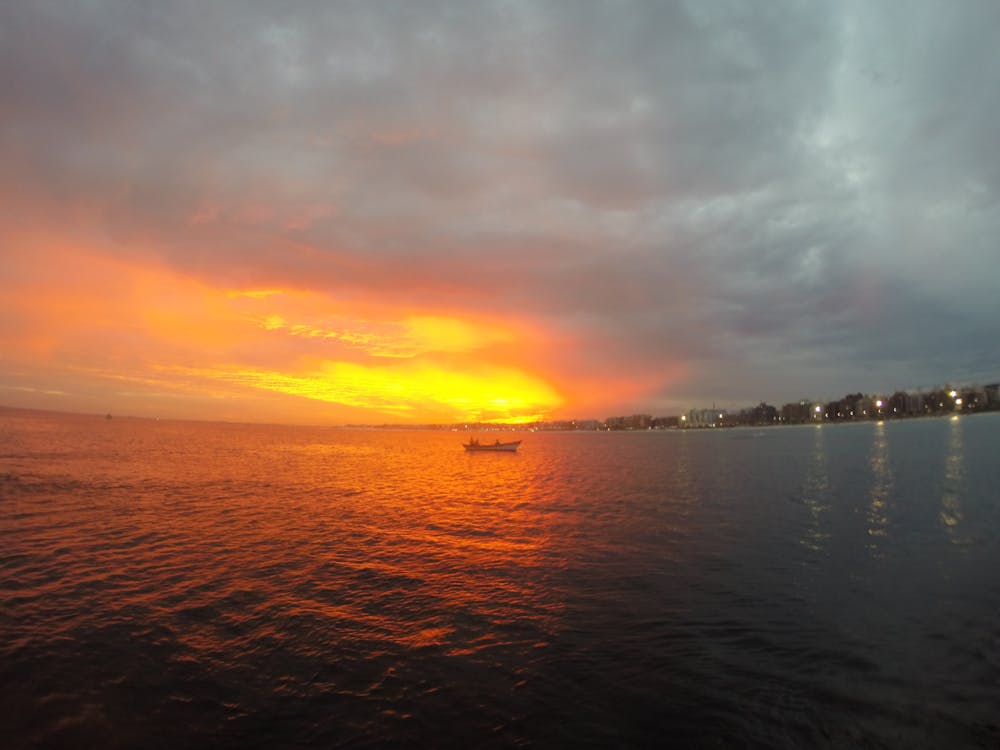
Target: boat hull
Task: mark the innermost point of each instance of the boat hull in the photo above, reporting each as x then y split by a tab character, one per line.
492	447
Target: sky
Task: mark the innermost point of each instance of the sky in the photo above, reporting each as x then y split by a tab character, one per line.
412	212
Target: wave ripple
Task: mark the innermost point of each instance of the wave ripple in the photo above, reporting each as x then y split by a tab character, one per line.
175	584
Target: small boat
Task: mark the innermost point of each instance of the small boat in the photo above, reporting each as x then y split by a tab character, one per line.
475	445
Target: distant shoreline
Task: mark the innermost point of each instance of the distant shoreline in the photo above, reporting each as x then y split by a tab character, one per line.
464	427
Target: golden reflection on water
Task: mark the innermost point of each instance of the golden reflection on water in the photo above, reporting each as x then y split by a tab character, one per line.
468	531
816	493
951	514
880	489
243	538
206	576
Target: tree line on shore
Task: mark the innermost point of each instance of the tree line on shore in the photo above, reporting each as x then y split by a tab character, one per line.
852	407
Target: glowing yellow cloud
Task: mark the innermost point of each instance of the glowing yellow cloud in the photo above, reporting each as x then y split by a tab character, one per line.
399	335
418	391
92	328
253	293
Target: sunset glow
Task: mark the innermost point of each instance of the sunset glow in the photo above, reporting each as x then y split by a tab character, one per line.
371	213
148	334
422	392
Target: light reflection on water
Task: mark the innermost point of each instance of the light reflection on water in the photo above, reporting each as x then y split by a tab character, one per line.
954	482
816	492
827	586
880	489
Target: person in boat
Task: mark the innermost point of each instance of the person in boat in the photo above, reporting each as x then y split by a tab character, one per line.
497	442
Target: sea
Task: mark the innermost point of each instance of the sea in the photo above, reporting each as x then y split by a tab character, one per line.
168	584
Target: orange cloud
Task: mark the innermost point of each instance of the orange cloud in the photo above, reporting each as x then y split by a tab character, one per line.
131	331
403	337
410	392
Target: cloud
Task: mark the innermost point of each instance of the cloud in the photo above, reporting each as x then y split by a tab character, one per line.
680	201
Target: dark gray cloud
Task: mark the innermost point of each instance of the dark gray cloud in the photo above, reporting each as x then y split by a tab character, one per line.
791	198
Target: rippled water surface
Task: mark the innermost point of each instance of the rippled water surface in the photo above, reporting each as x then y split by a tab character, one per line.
169	584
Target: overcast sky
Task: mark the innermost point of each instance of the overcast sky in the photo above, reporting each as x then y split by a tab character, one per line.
393	211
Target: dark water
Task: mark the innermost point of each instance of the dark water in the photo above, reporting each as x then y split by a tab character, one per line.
194	585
